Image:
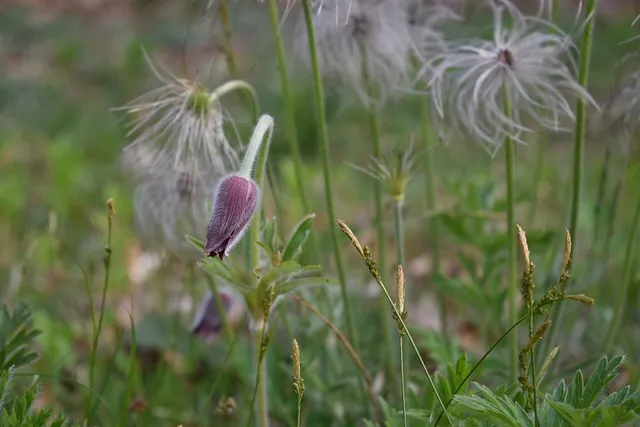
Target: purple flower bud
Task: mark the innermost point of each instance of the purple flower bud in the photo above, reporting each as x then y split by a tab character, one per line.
234	204
208	321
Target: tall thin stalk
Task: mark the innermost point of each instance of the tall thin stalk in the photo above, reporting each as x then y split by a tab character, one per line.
326	165
289	107
533	366
105	286
578	149
259	400
512	276
374	129
398	220
627	277
434	222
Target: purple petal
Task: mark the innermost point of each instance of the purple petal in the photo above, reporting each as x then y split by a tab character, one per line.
234	204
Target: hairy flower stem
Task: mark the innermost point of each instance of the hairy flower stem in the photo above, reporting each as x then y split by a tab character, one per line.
326	166
433	227
98	328
404	362
512	277
374	129
627	277
578	151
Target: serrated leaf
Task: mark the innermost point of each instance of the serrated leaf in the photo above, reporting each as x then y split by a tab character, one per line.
298	237
497	409
604	373
567	413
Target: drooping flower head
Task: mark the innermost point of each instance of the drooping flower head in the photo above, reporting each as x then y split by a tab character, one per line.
236	198
180	123
526	68
362	44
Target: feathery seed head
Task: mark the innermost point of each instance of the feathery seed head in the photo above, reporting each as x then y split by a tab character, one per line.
181	122
363	44
526	65
171	203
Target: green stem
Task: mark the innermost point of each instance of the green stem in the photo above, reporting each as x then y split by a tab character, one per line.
533	368
299	411
326	165
226	46
627	278
399	227
537	178
105	287
402	382
374	129
578	150
289	105
398	220
259	400
433	221
512	277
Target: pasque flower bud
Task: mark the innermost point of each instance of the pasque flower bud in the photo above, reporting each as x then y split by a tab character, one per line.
236	198
234	204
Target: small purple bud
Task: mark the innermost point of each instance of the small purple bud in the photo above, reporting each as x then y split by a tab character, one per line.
208	321
234	204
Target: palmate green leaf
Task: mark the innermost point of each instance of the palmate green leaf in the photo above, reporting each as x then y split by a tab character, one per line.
298	237
501	410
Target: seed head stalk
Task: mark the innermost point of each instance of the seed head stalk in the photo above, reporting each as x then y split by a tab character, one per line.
578	151
288	103
512	277
374	129
434	223
326	168
404	361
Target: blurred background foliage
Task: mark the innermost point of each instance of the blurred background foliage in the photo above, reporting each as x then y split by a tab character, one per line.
65	65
